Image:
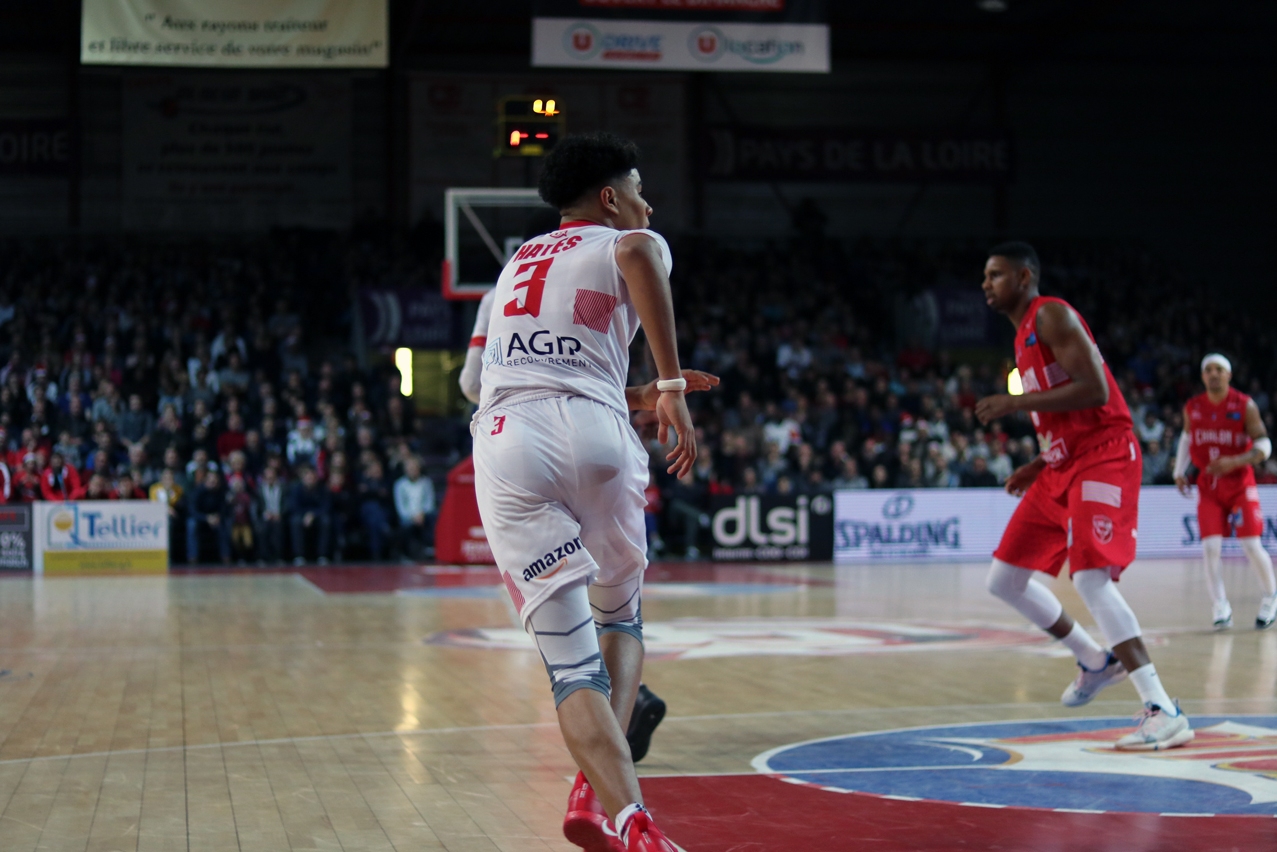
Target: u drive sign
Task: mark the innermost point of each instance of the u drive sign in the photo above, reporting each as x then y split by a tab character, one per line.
777	528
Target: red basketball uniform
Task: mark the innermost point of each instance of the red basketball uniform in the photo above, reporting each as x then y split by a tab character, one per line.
1084	505
1231	502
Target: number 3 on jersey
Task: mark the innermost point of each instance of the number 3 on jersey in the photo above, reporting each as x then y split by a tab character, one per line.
498	424
534	284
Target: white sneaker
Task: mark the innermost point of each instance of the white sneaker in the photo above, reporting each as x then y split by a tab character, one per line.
1267	612
1088	683
1157	731
1223	616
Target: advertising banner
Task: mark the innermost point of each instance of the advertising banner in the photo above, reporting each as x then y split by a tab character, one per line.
236	152
679	45
419	319
15	538
38	147
772	528
846	154
101	537
235	33
966	524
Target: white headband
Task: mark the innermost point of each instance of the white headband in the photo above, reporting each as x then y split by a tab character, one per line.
1216	358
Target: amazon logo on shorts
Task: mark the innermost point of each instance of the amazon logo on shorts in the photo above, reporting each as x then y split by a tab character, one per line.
552	562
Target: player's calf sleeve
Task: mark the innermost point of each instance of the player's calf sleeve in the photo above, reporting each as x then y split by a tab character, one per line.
1110	610
1261	562
1212	546
563	629
1032	600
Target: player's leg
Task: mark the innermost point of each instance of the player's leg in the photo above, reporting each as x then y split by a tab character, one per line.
611	511
1250	532
1104	509
1212	522
1036	542
1212	561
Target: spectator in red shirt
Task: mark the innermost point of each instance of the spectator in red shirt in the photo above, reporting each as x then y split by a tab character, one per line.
26	485
99	488
59	481
233	438
127	489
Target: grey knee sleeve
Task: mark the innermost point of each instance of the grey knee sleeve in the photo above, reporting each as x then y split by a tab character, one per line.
562	627
619	608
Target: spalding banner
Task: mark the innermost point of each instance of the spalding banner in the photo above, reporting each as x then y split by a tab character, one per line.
773	528
921	525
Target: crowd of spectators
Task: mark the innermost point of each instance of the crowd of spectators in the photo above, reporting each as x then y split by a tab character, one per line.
216	378
219	379
828	384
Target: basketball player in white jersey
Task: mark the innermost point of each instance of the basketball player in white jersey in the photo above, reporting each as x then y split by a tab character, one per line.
649	708
560	473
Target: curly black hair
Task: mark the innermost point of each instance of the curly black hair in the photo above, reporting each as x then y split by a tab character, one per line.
581	162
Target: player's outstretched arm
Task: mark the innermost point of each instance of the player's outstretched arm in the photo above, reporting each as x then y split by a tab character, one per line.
1261	449
1182	456
1058	328
644	397
639	259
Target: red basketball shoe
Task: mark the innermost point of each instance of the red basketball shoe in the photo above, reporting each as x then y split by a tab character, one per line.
586	823
644	836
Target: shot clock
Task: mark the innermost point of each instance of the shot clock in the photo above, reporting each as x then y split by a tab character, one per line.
528	125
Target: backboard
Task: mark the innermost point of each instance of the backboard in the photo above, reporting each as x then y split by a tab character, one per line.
482	228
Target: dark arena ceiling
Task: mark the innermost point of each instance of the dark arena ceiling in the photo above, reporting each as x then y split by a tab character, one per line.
441	34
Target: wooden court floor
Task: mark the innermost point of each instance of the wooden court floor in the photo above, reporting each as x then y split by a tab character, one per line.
277	711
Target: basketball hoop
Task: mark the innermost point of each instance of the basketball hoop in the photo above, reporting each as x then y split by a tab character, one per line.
471	218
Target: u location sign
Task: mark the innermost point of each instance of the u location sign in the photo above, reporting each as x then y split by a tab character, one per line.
101	537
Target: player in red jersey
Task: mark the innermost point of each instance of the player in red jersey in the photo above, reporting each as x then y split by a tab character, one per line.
1224	436
1081	495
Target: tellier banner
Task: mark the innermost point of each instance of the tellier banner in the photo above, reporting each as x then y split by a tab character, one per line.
679	45
772	528
847	154
236	152
101	537
235	33
966	524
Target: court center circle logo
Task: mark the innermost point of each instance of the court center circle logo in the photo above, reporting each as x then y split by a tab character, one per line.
1229	769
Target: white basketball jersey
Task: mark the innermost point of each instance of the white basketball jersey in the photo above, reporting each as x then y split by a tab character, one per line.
562	320
479	337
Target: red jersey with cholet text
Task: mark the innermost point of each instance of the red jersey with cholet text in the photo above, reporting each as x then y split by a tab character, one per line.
1065	435
562	320
1219	430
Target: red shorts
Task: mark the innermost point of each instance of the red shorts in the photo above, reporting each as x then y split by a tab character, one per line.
1229	507
1087	513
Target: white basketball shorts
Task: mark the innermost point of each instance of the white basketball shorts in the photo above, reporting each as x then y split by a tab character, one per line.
560	486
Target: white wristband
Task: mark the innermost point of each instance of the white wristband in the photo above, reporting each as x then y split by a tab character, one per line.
671	385
1264	445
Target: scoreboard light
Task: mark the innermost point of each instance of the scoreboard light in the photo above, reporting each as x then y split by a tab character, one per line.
528	126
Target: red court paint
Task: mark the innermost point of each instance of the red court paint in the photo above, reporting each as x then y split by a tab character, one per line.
759	813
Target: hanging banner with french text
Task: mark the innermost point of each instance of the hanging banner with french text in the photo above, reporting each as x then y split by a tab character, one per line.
236	152
235	33
840	154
